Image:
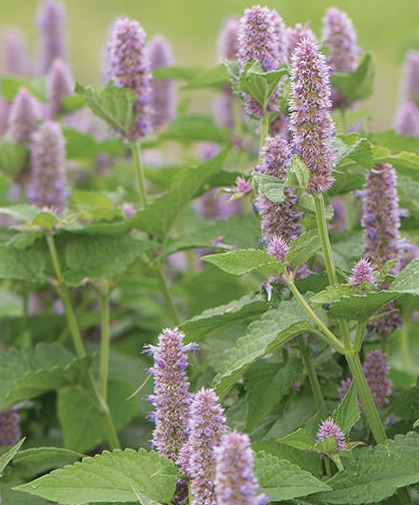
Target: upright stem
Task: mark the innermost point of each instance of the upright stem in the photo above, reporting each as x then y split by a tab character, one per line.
104	341
359	336
404	335
139	172
343	119
312	377
166	294
264	130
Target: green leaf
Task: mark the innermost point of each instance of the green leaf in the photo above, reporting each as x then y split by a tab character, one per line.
347	412
347	248
180	73
11	497
372	475
159	216
271	187
257	83
12	158
195	128
416	423
26	265
282	481
73	103
407	282
82	145
23	212
298	174
275	328
243	261
213	78
113	105
333	293
395	143
360	153
266	385
109	477
101	257
358	85
81	422
303	248
405	163
300	439
10	87
233	69
7	457
202	325
46	220
408	192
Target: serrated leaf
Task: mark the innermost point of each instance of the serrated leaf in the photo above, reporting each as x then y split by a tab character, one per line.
233	69
347	412
372	475
360	307
7	457
405	163
303	248
213	78
266	385
202	325
80	421
333	293
243	261
407	282
26	265
298	174
360	153
109	477
112	104
358	85
271	187
12	158
300	439
282	481
274	329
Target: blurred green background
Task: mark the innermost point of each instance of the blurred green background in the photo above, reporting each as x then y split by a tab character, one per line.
387	28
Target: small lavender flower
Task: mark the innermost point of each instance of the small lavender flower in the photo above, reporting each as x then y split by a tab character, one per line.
258	39
15	57
235	482
362	272
60	84
9	427
206	427
410	83
310	123
48	185
163	93
278	248
406	121
171	399
244	187
329	429
23	117
296	35
51	22
130	68
376	370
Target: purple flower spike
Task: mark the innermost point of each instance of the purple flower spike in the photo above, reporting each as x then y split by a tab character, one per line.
228	43
206	428
311	124
362	272
130	68
406	121
329	429
51	22
340	36
48	185
278	248
23	118
410	83
296	35
171	399
60	84
15	57
9	427
235	482
163	93
281	35
258	39
376	370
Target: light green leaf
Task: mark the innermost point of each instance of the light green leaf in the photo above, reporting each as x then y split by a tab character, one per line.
396	143
303	248
109	477
372	475
333	293
10	87
46	220
416	423
7	457
298	174
213	78
274	329
243	261
23	212
233	69
195	128
347	412
282	481
300	439
11	497
405	163
271	187
73	102
180	73
12	158
408	191
359	153
82	145
358	85
407	282
26	265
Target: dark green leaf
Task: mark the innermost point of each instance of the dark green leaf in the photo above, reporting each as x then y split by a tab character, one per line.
26	264
300	439
303	248
33	462
347	412
7	457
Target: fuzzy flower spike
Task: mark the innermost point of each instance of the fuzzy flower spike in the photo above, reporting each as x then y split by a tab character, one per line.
9	427
15	57
51	21
362	272
311	124
376	370
410	83
296	35
130	68
235	482
329	429
60	84
171	399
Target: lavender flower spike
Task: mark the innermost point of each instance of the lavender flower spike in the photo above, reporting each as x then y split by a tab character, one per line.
130	68
48	186
235	482
410	83
311	124
206	429
163	93
60	84
340	36
406	121
258	39
296	35
9	427
23	117
278	248
376	370
228	44
362	272
51	21
172	399
329	429
15	57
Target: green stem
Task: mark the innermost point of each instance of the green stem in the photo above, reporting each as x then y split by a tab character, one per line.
359	335
343	119
312	377
264	130
139	172
104	341
166	294
404	335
